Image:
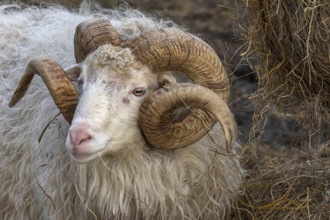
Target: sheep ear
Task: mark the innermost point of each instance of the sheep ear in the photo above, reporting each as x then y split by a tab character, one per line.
73	72
166	78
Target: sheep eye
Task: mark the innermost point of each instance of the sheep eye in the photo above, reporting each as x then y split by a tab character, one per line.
139	91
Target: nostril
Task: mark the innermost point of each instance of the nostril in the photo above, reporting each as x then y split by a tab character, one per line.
79	136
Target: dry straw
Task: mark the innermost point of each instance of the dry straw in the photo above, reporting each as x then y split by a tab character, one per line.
284	185
288	44
290	40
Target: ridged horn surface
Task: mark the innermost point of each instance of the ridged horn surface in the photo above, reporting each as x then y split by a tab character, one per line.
161	130
60	87
171	49
92	33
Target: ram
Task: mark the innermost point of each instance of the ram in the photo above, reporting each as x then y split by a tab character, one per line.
106	131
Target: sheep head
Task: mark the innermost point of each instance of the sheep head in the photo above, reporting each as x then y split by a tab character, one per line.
160	51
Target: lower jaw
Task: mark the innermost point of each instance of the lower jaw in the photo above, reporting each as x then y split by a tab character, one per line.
84	158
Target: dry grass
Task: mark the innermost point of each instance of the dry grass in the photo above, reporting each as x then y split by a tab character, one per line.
291	184
290	40
288	44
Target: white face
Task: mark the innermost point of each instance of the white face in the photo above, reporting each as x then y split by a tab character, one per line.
105	120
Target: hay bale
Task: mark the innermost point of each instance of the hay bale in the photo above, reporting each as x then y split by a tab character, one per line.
290	40
288	44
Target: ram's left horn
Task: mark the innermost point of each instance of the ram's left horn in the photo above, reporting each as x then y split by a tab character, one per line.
60	87
156	115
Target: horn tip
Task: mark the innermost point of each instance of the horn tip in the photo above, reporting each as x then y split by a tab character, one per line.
12	103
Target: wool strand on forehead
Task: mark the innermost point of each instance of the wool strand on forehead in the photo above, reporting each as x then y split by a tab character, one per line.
113	57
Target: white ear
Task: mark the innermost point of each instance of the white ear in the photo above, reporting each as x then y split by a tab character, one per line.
166	78
73	72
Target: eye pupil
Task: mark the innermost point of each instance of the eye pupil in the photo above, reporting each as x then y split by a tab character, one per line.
139	91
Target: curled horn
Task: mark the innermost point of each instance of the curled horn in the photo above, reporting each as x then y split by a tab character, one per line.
60	87
172	49
159	106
